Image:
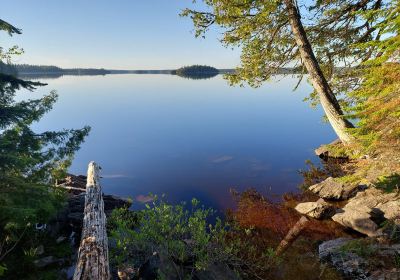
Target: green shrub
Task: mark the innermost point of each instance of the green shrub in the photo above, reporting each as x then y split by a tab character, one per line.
181	235
185	241
388	183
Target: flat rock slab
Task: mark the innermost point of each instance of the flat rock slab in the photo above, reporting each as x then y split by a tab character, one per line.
323	150
76	205
316	210
361	212
46	261
391	210
334	190
358	219
329	247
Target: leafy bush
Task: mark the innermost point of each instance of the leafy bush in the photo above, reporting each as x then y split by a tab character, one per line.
185	243
378	108
388	183
177	233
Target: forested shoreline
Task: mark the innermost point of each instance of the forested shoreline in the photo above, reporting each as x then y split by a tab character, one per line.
38	71
343	223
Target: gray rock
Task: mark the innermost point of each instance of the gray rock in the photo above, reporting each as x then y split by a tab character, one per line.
328	189
349	264
332	189
111	202
46	261
327	248
316	210
73	181
391	209
353	266
323	149
76	205
358	219
367	209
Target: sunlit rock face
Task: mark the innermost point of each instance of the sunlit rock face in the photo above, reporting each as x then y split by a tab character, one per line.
334	190
368	209
317	210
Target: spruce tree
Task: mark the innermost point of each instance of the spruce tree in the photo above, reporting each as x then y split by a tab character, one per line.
30	161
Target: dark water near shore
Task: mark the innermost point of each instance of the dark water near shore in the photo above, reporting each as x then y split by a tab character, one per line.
188	138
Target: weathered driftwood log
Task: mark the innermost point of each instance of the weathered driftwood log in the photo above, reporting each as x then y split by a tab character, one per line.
62	186
92	261
292	235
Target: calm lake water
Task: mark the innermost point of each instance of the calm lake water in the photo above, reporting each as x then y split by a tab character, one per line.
163	134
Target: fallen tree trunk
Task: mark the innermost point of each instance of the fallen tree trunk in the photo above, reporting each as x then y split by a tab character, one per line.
292	235
93	250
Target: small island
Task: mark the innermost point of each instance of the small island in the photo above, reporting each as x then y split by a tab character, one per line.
196	72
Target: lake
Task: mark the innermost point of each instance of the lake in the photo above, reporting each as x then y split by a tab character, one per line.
163	134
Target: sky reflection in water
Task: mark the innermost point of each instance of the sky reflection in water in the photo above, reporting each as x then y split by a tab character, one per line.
188	138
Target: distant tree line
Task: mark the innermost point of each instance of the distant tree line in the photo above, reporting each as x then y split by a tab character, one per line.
30	163
49	71
28	69
7	69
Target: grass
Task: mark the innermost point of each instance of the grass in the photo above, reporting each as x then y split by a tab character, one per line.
350	179
389	183
360	247
338	150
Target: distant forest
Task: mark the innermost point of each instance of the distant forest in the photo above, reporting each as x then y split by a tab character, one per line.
196	72
8	69
49	71
43	69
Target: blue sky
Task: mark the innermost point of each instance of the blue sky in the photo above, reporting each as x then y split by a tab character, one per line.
118	34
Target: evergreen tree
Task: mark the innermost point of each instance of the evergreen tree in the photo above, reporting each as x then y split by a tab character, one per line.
196	72
363	38
272	35
349	48
373	93
29	161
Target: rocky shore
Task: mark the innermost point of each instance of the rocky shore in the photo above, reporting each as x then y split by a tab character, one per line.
371	213
71	217
364	207
66	227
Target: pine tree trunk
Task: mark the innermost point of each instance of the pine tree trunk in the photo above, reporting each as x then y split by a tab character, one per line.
327	98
